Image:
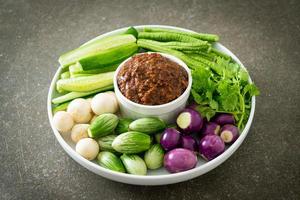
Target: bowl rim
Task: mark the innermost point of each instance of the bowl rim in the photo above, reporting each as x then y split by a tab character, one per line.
177	100
138	179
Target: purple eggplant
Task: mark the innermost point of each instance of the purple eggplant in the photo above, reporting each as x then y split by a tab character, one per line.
190	121
188	142
229	133
193	106
211	146
179	160
210	128
223	119
170	139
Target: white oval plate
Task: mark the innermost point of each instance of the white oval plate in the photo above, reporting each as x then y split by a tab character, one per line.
154	177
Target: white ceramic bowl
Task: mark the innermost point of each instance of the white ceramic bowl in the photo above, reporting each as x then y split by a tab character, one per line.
154	177
166	112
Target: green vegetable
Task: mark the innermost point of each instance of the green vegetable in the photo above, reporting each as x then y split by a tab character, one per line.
183	46
134	164
149	44
87	83
132	142
201	36
80	75
147	125
203	60
108	57
104	46
110	161
219	53
59	89
105	143
169	36
123	125
157	137
200	55
154	157
131	30
108	68
223	88
103	125
73	95
65	75
60	107
75	68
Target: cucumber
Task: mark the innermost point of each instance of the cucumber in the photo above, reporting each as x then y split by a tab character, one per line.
80	75
75	68
61	107
132	142
60	90
108	68
109	56
123	125
103	125
110	161
147	125
73	95
87	83
95	47
65	75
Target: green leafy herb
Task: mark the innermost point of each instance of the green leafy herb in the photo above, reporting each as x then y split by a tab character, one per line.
223	87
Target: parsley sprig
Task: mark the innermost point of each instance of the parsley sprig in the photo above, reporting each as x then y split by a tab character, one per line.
223	87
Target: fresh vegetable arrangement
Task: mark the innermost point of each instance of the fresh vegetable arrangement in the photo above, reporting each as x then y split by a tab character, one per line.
87	110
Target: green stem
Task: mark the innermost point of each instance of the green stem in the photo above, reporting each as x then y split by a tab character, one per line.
221	111
243	110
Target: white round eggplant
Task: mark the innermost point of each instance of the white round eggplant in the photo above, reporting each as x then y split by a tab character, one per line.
189	121
63	121
87	148
104	103
80	110
229	133
79	131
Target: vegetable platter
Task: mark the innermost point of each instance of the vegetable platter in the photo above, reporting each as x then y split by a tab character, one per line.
88	95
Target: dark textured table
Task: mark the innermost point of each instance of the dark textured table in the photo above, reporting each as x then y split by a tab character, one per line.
265	35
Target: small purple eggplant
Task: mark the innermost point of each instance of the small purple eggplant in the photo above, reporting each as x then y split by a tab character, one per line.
189	121
179	160
193	106
211	146
170	139
223	119
188	142
210	128
229	133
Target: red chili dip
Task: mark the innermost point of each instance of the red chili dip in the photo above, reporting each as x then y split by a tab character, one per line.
152	79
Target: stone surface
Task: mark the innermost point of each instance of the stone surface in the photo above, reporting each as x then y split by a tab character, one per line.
265	35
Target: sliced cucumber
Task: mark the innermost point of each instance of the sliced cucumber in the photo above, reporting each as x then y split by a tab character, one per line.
65	75
109	56
95	47
87	83
61	107
99	70
73	95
